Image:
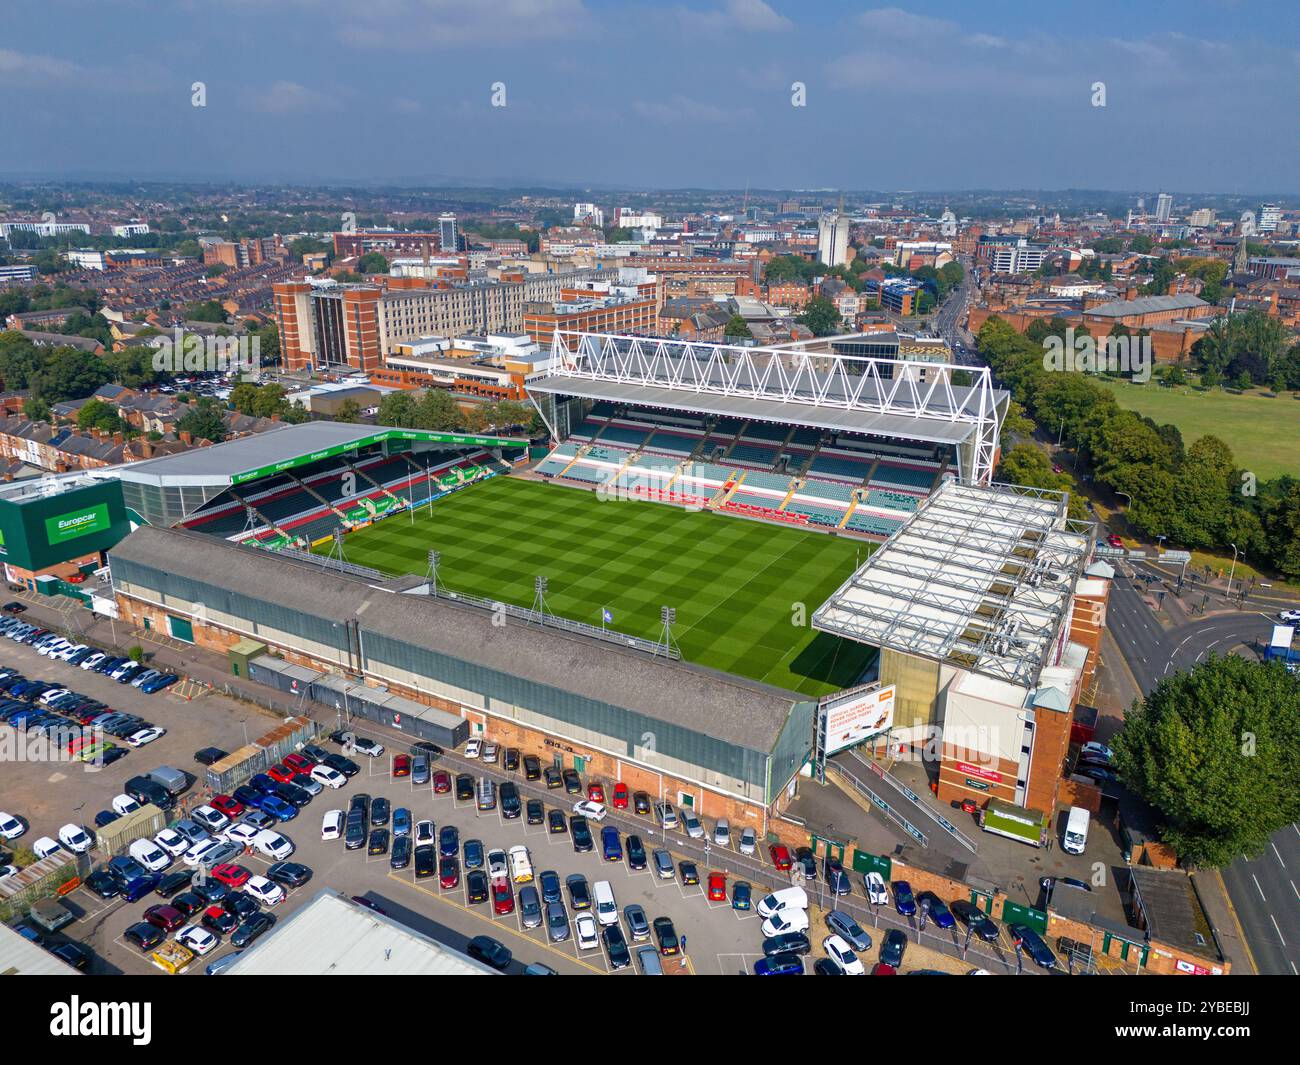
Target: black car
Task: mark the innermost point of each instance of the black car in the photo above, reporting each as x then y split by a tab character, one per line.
220	920
378	842
426	861
970	916
826	967
211	890
534	811
189	902
556	822
289	874
1032	944
380	811
314	752
360	801
641	803
252	928
511	761
75	954
144	935
401	856
690	873
616	947
807	861
579	892
636	858
508	795
490	952
666	937
790	943
572	782
354	835
552	776
464	786
240	903
209	755
344	765
549	881
581	833
892	947
476	886
532	767
291	793
1099	774
105	884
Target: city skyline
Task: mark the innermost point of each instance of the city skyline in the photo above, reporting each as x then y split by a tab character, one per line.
403	93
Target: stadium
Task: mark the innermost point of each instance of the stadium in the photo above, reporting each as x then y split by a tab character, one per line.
644	597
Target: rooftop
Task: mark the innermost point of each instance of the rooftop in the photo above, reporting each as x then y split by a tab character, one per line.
1147	305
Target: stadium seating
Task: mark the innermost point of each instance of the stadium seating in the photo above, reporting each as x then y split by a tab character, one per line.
890	475
753	455
836	490
883	497
765	431
815	514
754	499
875	524
777	482
839	467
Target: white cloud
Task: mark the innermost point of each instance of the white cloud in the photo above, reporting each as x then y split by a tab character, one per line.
42	69
420	24
745	16
290	98
682	109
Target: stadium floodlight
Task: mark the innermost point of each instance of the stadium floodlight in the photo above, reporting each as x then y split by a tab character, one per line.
540	585
668	615
539	612
435	558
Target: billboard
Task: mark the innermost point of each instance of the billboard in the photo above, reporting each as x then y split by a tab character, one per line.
41	528
851	719
64	527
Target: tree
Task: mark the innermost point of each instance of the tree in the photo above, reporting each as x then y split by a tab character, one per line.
70	373
1216	751
36	409
349	411
438	411
96	414
397	409
821	316
372	263
203	421
737	327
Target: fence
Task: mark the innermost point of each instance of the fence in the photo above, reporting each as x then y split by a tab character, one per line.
880	803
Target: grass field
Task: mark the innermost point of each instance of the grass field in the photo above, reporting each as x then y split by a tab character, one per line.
1264	434
734	582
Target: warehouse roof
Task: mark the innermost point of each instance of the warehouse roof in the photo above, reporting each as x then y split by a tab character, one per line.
333	936
1147	305
735	710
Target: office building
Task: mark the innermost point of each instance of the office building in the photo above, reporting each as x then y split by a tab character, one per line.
833	239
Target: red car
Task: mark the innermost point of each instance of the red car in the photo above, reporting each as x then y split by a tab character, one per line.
620	796
231	875
781	857
299	762
503	897
1114	540
596	792
717	887
441	782
883	969
449	873
168	918
401	765
232	808
282	773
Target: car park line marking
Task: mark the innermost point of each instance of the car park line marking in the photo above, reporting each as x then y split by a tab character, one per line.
470	910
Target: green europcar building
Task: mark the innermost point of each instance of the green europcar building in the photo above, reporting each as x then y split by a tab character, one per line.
59	523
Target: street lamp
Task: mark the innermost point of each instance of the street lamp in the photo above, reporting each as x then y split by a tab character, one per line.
1234	568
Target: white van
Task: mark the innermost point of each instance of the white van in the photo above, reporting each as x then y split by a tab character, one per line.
606	907
1076	830
781	900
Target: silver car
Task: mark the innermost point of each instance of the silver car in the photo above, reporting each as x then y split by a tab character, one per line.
847	928
722	833
557	922
530	907
748	842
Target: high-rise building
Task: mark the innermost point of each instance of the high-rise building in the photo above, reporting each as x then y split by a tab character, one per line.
448	240
1202	217
833	239
1269	217
1164	207
589	214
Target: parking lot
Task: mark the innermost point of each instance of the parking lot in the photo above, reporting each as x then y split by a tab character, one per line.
717	938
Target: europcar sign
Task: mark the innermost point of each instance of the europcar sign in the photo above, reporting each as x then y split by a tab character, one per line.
64	527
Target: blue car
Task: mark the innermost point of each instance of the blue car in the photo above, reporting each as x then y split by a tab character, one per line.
904	901
741	895
126	868
550	884
276	807
105	817
779	965
157	684
248	796
141	886
448	841
611	847
939	913
401	821
263	783
473	854
1032	944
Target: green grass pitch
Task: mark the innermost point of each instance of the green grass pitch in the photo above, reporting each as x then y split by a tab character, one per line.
735	583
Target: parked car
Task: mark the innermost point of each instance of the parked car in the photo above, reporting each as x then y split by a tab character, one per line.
1032	944
904	901
848	929
892	948
971	916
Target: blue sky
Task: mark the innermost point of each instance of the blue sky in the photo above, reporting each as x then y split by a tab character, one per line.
1200	96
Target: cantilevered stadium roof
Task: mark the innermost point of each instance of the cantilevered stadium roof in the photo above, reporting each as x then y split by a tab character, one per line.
250	457
979	578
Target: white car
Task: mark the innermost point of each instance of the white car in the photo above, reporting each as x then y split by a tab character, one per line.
1093	749
57	693
521	866
75	838
199	853
273	845
210	818
331	826
198	939
877	892
10	826
45	846
498	864
124	804
145	735
267	892
585	927
172	842
241	832
748	842
331	778
592	811
841	954
150	855
68	652
1289	616
369	747
490	753
722	833
692	825
424	833
473	748
6	871
93	660
789	919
